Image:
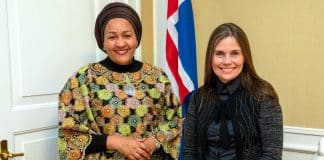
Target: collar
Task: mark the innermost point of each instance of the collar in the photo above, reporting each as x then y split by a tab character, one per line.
231	86
132	67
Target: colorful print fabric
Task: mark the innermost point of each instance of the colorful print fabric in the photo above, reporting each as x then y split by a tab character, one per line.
99	101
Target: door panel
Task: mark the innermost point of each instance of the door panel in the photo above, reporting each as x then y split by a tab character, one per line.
41	44
34	143
44	37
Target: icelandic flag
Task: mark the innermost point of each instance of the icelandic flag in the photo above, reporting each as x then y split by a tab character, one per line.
181	52
181	47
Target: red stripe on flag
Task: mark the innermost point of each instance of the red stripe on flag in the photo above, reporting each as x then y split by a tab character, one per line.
172	60
172	7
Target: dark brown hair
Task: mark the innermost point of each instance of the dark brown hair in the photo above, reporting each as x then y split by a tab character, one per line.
250	79
117	10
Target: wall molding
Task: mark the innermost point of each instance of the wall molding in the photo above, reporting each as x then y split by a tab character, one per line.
301	140
305	131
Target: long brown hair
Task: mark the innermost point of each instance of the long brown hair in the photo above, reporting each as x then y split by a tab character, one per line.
250	79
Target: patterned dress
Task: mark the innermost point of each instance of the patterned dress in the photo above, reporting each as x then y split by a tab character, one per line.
99	101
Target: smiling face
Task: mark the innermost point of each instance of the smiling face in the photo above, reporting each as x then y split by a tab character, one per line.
227	59
120	41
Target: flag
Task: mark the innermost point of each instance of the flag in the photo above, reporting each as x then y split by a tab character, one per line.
181	53
181	47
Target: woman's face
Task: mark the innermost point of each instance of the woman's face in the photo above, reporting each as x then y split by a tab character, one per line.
228	60
120	41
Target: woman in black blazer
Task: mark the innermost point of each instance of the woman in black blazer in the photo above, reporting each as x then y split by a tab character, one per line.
235	114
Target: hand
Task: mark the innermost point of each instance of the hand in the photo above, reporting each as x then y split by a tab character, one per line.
150	144
131	147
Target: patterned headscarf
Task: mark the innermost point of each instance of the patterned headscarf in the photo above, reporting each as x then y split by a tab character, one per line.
117	10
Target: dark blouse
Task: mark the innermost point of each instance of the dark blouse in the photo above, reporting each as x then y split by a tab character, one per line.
215	150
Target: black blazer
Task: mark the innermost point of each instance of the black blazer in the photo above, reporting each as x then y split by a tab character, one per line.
257	124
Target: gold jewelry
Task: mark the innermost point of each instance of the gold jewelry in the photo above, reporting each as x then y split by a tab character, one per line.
157	143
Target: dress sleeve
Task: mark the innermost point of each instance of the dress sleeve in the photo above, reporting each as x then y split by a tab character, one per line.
169	120
76	121
98	144
190	132
271	130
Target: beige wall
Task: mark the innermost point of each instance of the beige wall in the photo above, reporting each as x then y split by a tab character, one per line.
147	37
286	37
287	41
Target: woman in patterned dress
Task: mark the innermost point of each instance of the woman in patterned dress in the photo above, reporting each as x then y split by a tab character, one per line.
118	108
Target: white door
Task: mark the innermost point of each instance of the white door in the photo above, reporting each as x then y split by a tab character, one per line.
42	42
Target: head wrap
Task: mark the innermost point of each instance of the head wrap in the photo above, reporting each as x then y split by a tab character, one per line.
117	10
